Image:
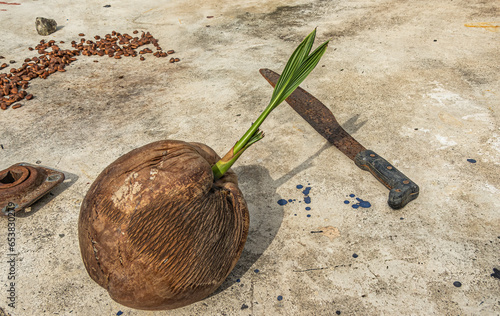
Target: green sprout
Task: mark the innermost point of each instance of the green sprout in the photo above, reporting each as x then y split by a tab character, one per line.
298	67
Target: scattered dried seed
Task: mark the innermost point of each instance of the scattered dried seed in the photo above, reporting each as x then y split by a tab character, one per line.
14	83
172	60
170	51
81	34
177	59
17	106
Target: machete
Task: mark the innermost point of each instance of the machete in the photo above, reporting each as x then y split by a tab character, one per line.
402	189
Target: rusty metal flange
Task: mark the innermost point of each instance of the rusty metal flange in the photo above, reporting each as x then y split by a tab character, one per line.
22	184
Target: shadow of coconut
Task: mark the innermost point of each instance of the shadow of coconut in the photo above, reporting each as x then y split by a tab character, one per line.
266	215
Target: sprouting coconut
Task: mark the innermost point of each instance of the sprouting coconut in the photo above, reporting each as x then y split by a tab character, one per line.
163	226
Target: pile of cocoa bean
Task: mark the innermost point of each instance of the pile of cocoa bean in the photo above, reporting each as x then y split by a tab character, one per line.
52	58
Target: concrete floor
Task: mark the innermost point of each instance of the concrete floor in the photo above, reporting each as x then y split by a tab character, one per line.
415	81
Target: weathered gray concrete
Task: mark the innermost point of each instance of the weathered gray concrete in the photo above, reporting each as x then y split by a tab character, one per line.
412	80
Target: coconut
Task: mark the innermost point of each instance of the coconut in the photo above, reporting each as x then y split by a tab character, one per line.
155	229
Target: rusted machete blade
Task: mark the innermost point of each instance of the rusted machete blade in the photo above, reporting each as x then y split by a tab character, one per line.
402	189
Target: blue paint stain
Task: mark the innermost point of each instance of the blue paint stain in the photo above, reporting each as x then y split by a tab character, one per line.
306	191
282	202
360	203
308	208
307	200
363	204
472	160
300	186
256	271
290	200
280	297
308	215
119	313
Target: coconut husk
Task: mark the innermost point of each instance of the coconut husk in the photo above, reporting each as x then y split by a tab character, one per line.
156	231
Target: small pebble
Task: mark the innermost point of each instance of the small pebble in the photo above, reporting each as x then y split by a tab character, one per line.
352	195
354	255
119	313
256	271
457	284
308	215
308	208
12	61
472	160
346	202
244	306
300	186
280	297
338	312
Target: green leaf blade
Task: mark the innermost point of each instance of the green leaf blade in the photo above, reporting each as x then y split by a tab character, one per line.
305	69
297	58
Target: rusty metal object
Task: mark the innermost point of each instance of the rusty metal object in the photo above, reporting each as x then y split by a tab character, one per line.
22	184
402	189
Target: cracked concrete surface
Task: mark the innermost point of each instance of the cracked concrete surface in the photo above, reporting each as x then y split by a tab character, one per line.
415	81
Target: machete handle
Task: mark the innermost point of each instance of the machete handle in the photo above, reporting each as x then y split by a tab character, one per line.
402	189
